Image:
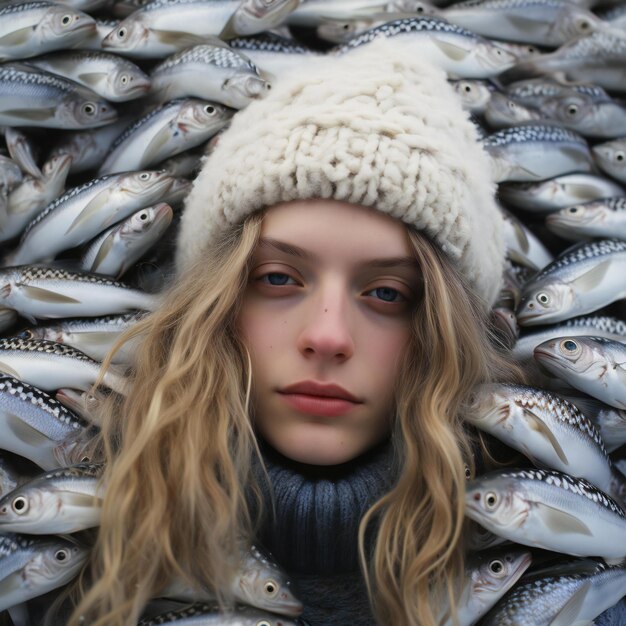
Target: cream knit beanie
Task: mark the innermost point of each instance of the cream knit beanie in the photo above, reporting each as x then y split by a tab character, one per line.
374	127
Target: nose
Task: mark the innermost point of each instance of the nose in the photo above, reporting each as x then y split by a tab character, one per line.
327	330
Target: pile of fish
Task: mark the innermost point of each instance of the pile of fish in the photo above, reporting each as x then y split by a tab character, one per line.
107	108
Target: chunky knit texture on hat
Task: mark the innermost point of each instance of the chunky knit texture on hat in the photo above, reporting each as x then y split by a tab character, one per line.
374	127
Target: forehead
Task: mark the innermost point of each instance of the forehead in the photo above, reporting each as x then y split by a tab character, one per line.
338	229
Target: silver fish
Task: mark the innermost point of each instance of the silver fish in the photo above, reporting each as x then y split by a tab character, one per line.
595	365
31	28
559	192
505	325
581	280
560	598
108	75
478	538
535	91
21	151
488	577
550	431
519	50
501	111
27	200
259	582
474	94
339	31
599	58
549	510
49	365
185	165
601	326
541	22
93	336
38	427
538	152
271	53
61	501
164	27
523	246
118	248
459	52
83	403
49	293
30	97
83	212
89	148
14	471
167	130
611	157
313	13
599	219
256	16
31	566
210	72
201	614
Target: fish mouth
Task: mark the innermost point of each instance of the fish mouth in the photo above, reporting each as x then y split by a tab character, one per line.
291	608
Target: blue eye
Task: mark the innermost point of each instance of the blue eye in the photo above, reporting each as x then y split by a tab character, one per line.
387	294
281	280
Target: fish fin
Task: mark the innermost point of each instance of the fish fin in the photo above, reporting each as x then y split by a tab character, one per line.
89	210
12	583
523	21
520	259
229	31
92	78
19	614
560	521
30	115
80	500
615	561
179	38
17	37
99	338
584	193
521	236
159	140
451	50
7	369
25	432
540	427
567	615
590	279
105	248
45	295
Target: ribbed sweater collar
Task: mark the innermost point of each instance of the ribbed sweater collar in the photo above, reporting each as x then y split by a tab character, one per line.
319	508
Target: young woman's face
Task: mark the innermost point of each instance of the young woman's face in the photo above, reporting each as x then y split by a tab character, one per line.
317	308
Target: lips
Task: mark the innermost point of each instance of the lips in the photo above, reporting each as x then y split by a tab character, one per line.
312	388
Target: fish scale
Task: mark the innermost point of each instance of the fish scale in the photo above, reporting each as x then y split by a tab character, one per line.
522	134
506	4
582	252
68	195
43	401
213	55
578	486
80	470
267	43
42	345
406	25
156	5
531	89
601	322
22	7
13	74
29	272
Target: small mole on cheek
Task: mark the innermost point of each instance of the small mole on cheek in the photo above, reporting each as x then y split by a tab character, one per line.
325	310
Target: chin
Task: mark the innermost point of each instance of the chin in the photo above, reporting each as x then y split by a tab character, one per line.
316	453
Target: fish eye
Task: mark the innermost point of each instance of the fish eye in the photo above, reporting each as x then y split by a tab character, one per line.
89	108
496	566
124	79
491	500
20	504
210	109
531	50
468	474
143	216
62	555
543	298
468	89
66	19
121	33
619	156
568	345
270	587
420	9
144	176
572	109
26	334
572	210
263	622
584	25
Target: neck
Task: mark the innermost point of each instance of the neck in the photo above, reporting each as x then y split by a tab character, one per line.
319	508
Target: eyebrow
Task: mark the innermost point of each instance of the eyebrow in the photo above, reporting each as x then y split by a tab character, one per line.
387	262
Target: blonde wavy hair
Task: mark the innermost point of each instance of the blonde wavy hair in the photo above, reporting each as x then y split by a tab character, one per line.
180	447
